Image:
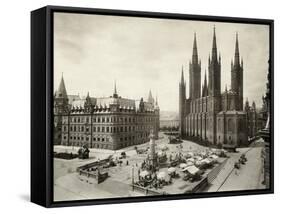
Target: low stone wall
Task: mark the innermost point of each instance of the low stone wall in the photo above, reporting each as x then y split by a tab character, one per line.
92	177
85	174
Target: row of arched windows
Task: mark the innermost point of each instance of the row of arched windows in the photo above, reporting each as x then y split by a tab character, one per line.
198	106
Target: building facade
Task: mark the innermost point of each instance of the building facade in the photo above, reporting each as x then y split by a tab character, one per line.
106	123
253	119
211	115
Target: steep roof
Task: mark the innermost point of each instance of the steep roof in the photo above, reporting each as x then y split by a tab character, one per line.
61	92
150	97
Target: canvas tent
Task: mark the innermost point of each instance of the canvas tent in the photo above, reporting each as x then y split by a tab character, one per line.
193	170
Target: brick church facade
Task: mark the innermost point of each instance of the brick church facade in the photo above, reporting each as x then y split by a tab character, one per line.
209	114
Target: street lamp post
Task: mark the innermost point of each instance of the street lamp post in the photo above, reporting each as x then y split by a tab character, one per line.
133	176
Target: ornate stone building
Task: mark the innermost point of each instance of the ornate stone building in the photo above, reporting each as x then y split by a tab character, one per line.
106	123
213	116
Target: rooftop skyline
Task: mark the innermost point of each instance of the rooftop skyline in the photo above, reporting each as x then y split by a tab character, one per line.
143	54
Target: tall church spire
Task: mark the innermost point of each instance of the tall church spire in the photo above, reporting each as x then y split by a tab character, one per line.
214	83
236	56
237	76
182	99
182	76
195	52
214	47
195	73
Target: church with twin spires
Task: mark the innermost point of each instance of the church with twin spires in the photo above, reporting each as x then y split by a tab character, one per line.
208	114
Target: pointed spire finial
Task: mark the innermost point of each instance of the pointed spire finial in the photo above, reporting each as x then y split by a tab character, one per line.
214	48
150	98
61	92
115	95
236	44
182	75
156	100
236	55
254	104
195	52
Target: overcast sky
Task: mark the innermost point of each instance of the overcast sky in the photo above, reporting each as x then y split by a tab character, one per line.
143	53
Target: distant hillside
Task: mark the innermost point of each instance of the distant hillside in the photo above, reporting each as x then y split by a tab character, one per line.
169	115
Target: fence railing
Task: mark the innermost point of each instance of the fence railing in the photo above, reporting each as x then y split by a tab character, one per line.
145	190
93	164
210	177
214	173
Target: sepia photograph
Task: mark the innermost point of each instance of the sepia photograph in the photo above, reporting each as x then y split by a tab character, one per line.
152	107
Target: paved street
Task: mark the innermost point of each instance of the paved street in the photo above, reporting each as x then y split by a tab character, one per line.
249	176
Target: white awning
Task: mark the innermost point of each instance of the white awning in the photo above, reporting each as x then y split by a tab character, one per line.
192	169
161	175
205	161
144	173
171	170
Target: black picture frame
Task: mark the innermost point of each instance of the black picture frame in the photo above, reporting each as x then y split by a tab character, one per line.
42	101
